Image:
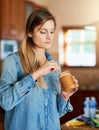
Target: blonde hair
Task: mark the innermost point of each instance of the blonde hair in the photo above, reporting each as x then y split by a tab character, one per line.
28	54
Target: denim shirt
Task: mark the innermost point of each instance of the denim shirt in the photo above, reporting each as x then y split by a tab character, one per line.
28	106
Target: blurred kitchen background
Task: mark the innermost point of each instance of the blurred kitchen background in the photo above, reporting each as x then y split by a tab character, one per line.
76	44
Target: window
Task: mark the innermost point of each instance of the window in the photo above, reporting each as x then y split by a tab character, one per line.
77	46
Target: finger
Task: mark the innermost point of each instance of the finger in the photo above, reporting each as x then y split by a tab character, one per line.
55	67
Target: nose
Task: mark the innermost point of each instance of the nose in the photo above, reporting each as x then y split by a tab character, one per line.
48	36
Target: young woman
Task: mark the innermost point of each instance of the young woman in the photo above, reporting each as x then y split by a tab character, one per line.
30	91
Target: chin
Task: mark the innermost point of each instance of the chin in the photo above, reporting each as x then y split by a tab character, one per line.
48	47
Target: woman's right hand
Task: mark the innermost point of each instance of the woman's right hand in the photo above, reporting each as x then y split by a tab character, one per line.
47	67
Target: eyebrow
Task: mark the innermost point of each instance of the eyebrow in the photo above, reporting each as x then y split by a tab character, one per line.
42	28
46	29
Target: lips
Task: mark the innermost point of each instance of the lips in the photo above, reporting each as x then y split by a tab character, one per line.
48	42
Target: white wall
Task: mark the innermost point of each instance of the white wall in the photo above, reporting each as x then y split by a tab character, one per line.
73	12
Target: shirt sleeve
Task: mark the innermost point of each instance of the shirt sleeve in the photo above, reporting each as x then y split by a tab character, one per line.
63	106
12	91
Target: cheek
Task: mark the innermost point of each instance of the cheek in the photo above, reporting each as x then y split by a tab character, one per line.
39	42
52	38
37	39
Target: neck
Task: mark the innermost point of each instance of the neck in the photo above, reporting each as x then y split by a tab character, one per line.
40	51
41	56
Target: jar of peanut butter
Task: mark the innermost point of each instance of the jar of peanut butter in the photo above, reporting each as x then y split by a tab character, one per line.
67	82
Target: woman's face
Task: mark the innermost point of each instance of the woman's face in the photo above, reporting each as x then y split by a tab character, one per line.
43	35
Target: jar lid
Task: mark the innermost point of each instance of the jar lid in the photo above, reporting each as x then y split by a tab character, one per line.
65	73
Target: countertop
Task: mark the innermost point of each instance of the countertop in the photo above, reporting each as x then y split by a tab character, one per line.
64	127
86	126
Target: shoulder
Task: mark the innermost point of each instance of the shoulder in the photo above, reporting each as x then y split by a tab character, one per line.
12	56
9	66
11	59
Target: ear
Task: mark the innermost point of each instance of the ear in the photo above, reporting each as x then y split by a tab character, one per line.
30	35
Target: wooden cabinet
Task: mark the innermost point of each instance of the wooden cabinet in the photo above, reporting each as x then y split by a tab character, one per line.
13	14
12	19
1	119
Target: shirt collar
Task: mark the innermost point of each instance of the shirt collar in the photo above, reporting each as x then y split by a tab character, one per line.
48	56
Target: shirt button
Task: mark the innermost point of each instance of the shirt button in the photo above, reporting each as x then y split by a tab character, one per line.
46	110
46	102
28	83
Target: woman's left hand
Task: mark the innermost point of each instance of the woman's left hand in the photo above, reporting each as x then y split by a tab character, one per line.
67	95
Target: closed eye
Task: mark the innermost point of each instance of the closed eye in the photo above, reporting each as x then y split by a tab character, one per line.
52	31
42	32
